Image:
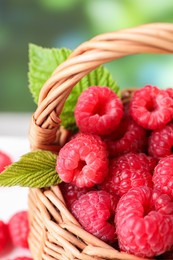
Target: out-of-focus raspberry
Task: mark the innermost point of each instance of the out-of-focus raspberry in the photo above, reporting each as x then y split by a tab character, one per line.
4	236
5	160
22	258
19	229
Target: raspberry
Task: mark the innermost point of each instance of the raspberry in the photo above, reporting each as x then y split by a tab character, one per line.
128	137
94	212
151	108
127	171
144	222
23	258
163	175
161	142
4	236
83	161
98	111
5	160
71	192
19	229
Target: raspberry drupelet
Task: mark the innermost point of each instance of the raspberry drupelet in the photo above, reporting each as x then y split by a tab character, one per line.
152	108
98	111
144	220
83	161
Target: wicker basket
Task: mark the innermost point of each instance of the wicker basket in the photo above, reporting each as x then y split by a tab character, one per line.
55	233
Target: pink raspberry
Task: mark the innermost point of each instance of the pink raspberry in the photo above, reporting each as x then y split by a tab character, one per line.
127	171
98	111
128	137
94	212
144	222
4	236
151	108
161	142
5	160
19	229
71	192
83	161
163	175
23	258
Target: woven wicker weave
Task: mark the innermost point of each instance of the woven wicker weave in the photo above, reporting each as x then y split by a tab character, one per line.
55	233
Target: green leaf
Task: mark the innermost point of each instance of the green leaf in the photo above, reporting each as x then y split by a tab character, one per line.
35	169
43	62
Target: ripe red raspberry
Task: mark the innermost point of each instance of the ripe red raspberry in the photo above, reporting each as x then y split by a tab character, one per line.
161	142
19	229
83	161
71	192
128	137
4	235
127	171
94	212
144	221
98	111
163	176
5	160
151	108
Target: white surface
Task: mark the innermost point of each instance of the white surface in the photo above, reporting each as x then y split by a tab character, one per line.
14	124
13	199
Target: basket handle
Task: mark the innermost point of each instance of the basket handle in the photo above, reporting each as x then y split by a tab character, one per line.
45	131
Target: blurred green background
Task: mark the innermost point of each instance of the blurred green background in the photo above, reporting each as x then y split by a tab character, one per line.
67	23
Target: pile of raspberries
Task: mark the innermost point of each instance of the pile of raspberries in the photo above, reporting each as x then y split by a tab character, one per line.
14	234
117	171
